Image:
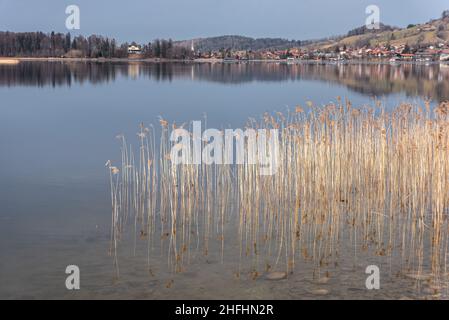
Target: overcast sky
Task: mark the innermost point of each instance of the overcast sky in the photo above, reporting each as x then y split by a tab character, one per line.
145	20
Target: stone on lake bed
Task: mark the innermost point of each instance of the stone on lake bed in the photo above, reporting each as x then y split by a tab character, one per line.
430	291
437	287
323	280
420	277
276	275
320	292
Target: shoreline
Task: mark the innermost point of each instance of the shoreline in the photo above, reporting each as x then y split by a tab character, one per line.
17	60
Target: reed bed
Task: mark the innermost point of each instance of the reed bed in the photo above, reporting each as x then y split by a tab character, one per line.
360	178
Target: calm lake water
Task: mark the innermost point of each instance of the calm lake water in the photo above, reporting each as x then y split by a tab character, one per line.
58	123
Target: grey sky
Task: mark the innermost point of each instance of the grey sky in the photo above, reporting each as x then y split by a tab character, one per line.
145	20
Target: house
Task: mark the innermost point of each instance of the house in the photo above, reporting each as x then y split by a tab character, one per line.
407	56
134	49
428	55
428	28
295	53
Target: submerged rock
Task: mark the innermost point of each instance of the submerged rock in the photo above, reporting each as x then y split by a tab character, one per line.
323	280
430	291
418	276
320	292
276	275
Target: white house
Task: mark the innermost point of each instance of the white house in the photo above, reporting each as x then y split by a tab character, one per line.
134	49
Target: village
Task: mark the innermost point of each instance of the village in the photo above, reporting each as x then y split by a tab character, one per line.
339	54
392	54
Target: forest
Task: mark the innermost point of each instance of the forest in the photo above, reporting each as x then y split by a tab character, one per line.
40	44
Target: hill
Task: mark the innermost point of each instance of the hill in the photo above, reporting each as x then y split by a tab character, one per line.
235	42
433	32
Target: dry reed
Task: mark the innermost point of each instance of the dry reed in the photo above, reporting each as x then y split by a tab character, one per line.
373	179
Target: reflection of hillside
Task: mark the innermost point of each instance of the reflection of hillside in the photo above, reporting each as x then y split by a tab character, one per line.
413	80
370	79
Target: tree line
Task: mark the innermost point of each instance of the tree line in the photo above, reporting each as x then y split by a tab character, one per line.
39	44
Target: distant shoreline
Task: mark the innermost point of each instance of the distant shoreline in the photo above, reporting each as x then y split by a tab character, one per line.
16	60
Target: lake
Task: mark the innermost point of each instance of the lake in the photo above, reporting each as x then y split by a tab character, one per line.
58	127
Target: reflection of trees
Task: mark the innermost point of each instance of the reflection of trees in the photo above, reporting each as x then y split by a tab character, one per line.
56	73
370	79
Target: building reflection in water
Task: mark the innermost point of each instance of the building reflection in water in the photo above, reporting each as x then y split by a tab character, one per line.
420	80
